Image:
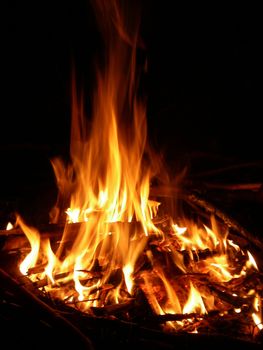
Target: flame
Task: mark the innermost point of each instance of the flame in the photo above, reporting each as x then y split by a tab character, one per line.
107	179
193	237
195	302
251	261
257	321
73	215
34	239
173	304
256	316
127	271
52	260
9	226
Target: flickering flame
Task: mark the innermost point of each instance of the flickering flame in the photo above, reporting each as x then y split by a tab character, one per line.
194	237
34	240
127	271
173	304
195	302
251	261
9	226
257	321
179	230
52	260
73	215
256	316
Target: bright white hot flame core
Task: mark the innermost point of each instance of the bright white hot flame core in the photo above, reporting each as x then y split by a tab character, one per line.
195	302
9	226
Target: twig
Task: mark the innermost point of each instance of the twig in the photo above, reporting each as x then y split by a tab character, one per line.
228	168
235	187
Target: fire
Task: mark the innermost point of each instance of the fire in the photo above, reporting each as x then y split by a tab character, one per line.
256	316
195	302
251	261
34	240
127	271
112	245
52	260
9	226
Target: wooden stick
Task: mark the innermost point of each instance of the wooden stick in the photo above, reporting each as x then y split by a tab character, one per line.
229	168
235	187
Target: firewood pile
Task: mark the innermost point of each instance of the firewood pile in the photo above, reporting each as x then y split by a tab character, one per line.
166	273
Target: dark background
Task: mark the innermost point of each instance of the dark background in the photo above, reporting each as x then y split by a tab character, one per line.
203	86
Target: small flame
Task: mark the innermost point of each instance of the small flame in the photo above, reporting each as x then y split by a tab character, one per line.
127	271
9	226
195	302
34	240
220	268
73	215
173	304
257	321
179	230
256	316
52	260
251	261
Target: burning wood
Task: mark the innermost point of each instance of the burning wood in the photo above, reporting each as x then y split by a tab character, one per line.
116	256
190	276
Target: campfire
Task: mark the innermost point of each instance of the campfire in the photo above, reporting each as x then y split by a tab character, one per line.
124	245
